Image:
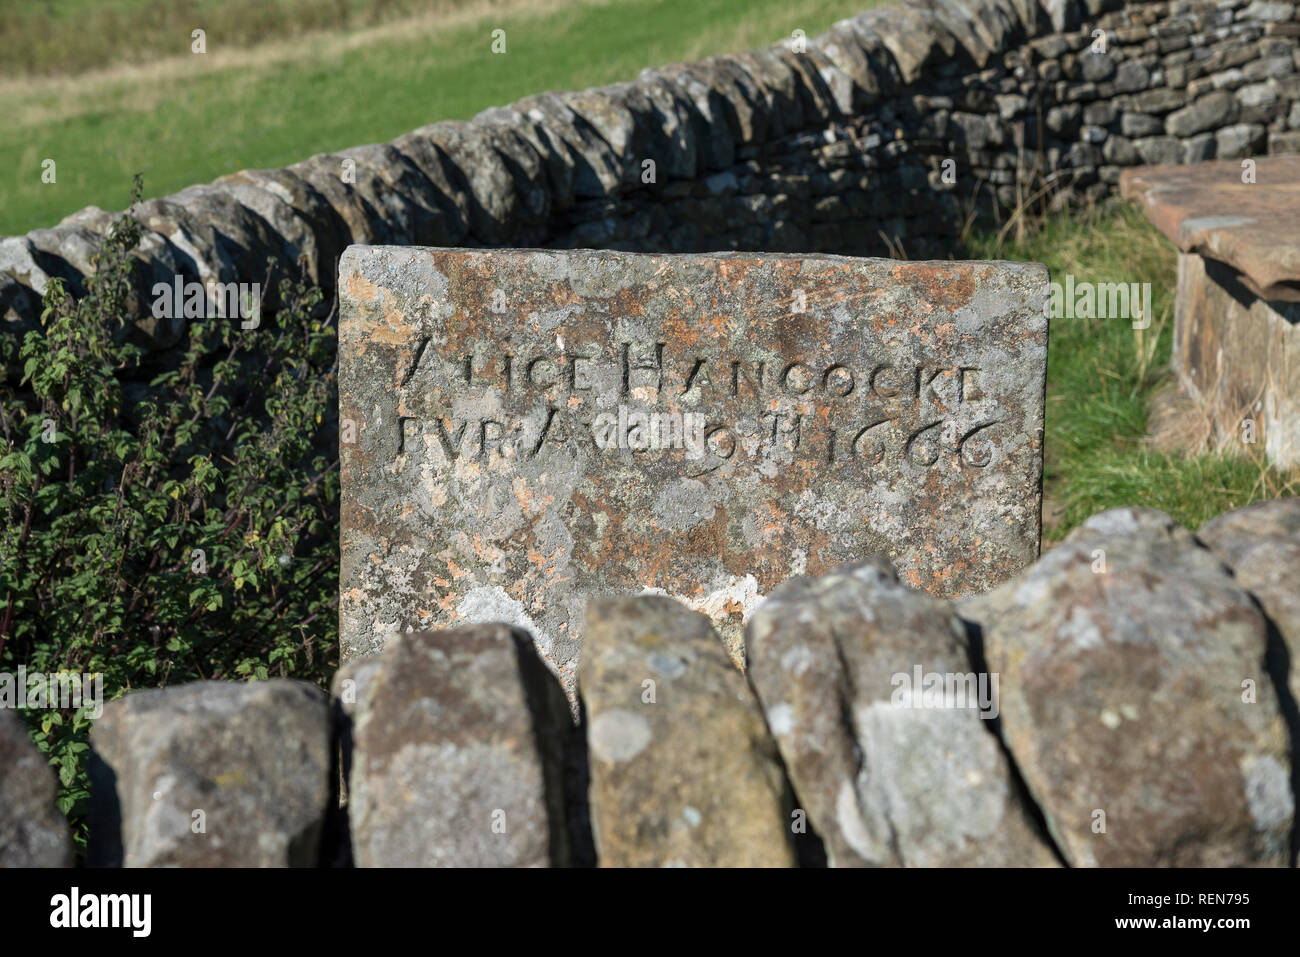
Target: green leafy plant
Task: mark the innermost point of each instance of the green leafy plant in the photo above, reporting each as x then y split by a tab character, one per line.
165	516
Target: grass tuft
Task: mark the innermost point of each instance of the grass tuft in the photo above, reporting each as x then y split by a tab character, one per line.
1101	373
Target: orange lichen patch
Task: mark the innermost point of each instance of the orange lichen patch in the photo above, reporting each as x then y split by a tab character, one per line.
733	271
361	289
527	496
940	284
392	330
484	550
561	294
686	331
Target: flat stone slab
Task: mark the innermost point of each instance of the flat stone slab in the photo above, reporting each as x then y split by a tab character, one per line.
1236	351
522	430
1205	208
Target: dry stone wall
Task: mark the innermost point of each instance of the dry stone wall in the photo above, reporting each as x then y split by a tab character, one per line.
1084	752
880	136
1044	723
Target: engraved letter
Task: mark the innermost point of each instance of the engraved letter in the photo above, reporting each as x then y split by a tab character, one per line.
451	443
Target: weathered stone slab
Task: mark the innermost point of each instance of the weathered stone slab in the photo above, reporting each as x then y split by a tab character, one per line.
1237	311
1207	209
884	725
211	774
1136	700
683	770
523	430
454	747
32	831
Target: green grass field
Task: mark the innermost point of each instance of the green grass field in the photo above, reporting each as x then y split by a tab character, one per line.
189	118
71	36
279	83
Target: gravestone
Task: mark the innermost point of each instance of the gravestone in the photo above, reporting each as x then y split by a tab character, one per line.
524	429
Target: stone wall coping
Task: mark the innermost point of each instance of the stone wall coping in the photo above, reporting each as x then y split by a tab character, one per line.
1207	209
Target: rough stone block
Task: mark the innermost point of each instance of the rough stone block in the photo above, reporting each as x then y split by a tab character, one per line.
1100	647
211	774
1209	112
886	728
457	746
683	770
32	831
1261	544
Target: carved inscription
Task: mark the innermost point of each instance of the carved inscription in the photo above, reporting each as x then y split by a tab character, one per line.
874	413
